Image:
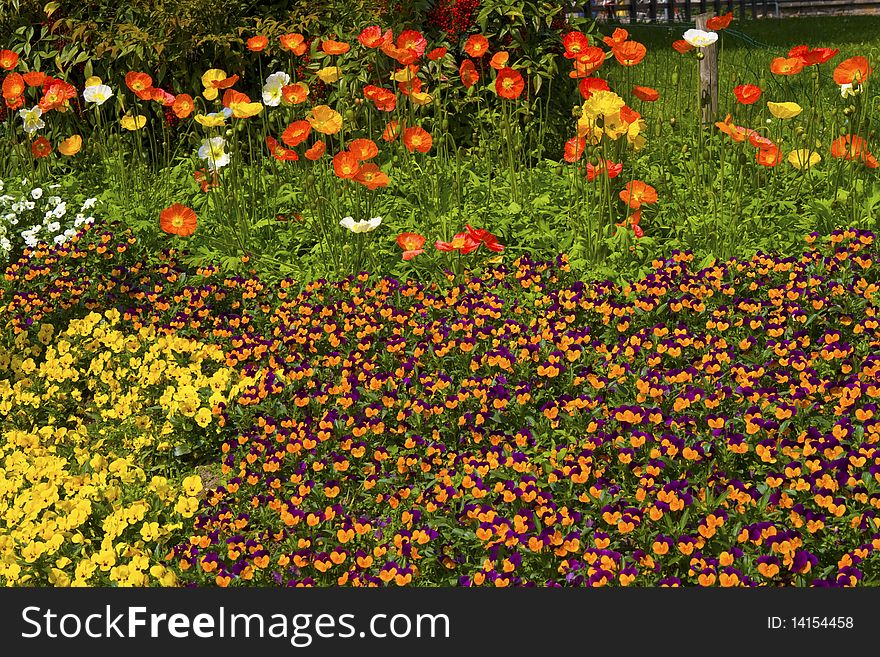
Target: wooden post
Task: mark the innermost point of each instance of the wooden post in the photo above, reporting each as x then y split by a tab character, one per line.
708	77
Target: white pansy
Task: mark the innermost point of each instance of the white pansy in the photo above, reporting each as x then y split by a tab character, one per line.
272	88
212	150
31	119
362	226
700	38
36	193
89	203
97	94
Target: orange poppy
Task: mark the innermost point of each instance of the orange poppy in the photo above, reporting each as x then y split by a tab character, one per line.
201	176
316	152
325	119
412	40
629	115
574	148
363	149
499	60
293	42
617	37
588	85
13	85
34	78
412	244
294	94
636	193
179	220
384	99
682	46
758	140
719	22
391	131
138	82
296	133
849	147
8	59
240	104
331	47
476	45
56	94
417	139
575	43
41	147
70	146
768	157
371	176
609	168
726	126
14	103
468	74
437	54
747	94
410	85
854	69
786	65
345	165
373	37
509	83
590	60
647	94
403	56
257	43
629	53
182	106
279	152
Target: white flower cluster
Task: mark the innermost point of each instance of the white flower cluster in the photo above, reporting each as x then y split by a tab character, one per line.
32	216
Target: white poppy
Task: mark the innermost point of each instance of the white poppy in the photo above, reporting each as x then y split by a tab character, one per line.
700	38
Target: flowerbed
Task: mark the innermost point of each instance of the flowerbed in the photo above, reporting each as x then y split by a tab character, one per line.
711	426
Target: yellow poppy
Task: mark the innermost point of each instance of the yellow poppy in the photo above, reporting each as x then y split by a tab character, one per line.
804	158
93	81
70	146
784	110
420	98
212	120
325	120
329	74
133	122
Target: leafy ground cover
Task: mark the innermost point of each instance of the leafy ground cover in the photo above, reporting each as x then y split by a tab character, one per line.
699	426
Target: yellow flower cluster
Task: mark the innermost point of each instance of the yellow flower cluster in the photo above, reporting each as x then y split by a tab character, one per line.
73	512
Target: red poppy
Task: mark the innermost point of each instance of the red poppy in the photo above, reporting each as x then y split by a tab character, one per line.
160	96
629	53
647	94
182	106
345	165
384	99
468	74
412	40
179	220
476	45
138	82
768	157
403	56
509	83
854	69
417	139
719	22
13	85
316	152
574	148
758	140
636	193
34	78
56	94
786	65
294	94
41	147
410	86
747	94
575	43
814	56
257	43
412	244
14	103
590	60
296	133
371	176
682	46
464	243
391	131
373	37
617	37
363	149
8	59
437	54
609	168
588	85
293	42
201	176
849	147
279	152
331	47
485	238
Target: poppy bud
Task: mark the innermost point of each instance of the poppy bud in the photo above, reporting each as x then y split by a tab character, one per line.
700	54
310	180
672	121
706	155
743	158
684	149
848	110
800	130
675	76
445	124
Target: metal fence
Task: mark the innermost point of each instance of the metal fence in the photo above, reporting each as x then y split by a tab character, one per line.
684	10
